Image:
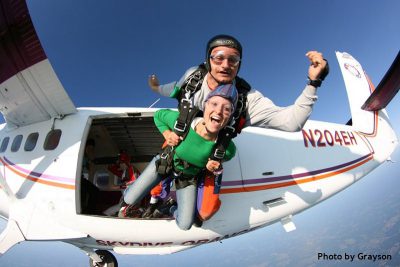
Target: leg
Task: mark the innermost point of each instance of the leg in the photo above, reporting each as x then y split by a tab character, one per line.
186	198
142	186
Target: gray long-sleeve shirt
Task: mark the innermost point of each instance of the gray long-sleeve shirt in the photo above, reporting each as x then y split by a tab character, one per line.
261	111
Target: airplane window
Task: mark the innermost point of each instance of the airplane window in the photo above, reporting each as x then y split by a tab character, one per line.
52	139
16	144
31	141
4	144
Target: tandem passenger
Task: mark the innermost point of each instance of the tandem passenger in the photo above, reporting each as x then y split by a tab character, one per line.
191	155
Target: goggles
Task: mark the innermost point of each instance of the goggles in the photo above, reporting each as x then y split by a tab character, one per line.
219	57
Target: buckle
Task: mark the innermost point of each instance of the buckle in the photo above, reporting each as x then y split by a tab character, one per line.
229	130
193	82
219	154
180	126
186	101
164	155
239	108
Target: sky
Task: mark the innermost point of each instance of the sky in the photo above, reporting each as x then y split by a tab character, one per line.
103	52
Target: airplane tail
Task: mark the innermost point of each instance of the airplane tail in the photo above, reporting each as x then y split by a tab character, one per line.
369	118
366	102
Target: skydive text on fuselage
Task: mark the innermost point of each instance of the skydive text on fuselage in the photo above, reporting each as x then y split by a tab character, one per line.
170	243
327	138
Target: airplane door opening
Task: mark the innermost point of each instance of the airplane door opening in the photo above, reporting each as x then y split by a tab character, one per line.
135	135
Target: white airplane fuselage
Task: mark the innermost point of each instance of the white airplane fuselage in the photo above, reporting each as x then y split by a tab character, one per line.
274	175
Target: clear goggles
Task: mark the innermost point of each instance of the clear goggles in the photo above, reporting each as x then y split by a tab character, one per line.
219	57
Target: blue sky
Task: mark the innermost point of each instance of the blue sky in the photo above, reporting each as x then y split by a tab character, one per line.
103	52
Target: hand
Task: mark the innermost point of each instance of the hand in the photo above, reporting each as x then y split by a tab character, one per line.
213	165
172	138
154	83
318	64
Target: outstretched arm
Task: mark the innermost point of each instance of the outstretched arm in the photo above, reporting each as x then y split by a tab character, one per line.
262	112
168	88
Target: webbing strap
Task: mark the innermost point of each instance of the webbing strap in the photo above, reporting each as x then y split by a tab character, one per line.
165	162
193	83
238	120
225	135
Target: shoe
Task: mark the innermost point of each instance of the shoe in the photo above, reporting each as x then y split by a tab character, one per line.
172	209
122	212
148	213
197	221
133	211
157	214
164	209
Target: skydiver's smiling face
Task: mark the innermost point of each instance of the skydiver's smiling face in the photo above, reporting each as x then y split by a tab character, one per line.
224	66
217	112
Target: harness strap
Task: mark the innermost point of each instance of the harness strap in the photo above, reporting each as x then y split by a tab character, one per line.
192	83
238	120
164	164
224	137
181	128
186	115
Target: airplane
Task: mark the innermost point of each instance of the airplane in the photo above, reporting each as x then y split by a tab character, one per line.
46	194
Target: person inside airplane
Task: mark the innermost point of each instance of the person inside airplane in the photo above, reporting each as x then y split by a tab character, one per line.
88	160
127	173
190	155
124	169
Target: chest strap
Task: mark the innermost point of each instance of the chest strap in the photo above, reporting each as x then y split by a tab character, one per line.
237	123
182	125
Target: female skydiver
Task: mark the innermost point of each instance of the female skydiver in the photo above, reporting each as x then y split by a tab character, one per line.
191	155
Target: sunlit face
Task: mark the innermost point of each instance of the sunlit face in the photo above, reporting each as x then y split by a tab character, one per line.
223	64
217	112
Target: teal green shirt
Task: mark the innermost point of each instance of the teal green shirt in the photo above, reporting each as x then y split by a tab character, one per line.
194	149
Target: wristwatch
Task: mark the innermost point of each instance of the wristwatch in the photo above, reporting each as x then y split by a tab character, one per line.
316	83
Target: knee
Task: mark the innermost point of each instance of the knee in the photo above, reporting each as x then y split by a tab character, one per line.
184	224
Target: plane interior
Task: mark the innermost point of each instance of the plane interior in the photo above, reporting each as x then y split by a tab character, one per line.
134	134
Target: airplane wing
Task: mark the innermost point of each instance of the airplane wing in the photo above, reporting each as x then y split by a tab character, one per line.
387	88
30	91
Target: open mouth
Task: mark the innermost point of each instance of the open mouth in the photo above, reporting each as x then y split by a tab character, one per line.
225	73
216	119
